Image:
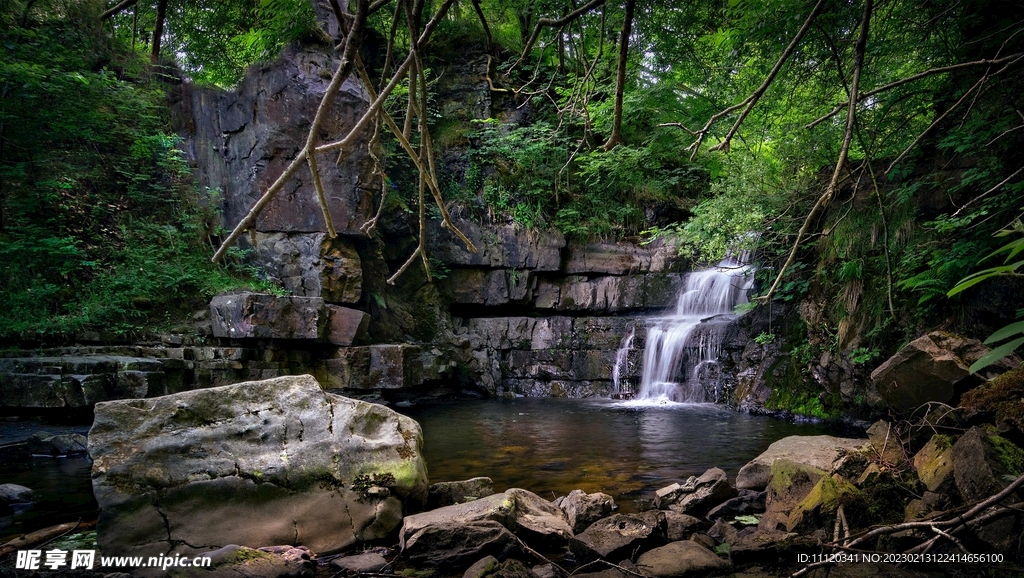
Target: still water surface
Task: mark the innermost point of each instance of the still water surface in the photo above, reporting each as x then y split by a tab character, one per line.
552	446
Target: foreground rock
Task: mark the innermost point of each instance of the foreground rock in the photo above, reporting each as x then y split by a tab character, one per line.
696	496
265	462
616	537
235	561
583	509
685	558
819	452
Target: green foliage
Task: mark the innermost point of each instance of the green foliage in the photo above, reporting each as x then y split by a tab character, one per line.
862	355
764	338
102	228
1009	267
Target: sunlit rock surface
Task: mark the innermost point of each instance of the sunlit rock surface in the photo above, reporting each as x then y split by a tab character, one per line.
269	462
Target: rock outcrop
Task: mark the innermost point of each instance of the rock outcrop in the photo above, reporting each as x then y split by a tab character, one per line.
818	452
256	463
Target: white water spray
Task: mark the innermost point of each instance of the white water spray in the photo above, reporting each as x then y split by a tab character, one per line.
621	357
679	344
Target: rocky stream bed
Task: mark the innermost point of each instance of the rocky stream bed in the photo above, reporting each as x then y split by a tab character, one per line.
279	478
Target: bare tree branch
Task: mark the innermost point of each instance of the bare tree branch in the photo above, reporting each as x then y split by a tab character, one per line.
544	22
344	70
117	8
851	116
748	103
918	76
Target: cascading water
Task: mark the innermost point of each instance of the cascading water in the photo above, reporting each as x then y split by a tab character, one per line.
621	358
680	344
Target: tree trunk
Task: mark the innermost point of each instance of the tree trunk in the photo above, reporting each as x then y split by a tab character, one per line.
158	31
620	79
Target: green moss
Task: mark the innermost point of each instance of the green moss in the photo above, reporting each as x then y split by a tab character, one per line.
942	441
1010	455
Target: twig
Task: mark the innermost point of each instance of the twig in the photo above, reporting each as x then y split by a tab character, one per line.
986	193
748	103
851	114
952	539
902	81
544	22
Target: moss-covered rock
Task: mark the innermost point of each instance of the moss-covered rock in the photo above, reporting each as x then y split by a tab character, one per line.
823	500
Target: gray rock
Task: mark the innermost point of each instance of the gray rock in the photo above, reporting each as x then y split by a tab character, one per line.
77	380
532	518
920	372
253	463
934	463
15	499
312	265
790	483
680	526
583	509
47	444
886	444
241	140
257	315
482	567
621	258
449	493
815	451
685	558
346	325
616	537
977	468
360	563
696	495
498	246
545	571
747	503
375	367
455	545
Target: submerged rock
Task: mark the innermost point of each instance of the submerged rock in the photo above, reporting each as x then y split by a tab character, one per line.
47	444
275	461
15	498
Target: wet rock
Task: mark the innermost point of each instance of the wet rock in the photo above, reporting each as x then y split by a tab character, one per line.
617	536
685	558
818	452
360	563
47	444
77	380
455	545
747	503
680	526
257	315
253	463
482	567
530	517
583	509
448	493
934	463
15	498
790	484
345	325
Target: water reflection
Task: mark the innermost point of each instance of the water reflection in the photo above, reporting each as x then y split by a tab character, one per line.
552	446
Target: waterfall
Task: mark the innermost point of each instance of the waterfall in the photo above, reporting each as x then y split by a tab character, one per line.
621	357
679	345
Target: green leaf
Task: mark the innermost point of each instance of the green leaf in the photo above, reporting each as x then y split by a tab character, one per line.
995	355
1009	330
748	520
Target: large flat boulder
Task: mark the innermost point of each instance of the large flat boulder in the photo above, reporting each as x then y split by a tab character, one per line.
256	463
616	537
815	451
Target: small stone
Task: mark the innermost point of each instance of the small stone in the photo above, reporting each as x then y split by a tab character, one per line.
482	567
360	563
